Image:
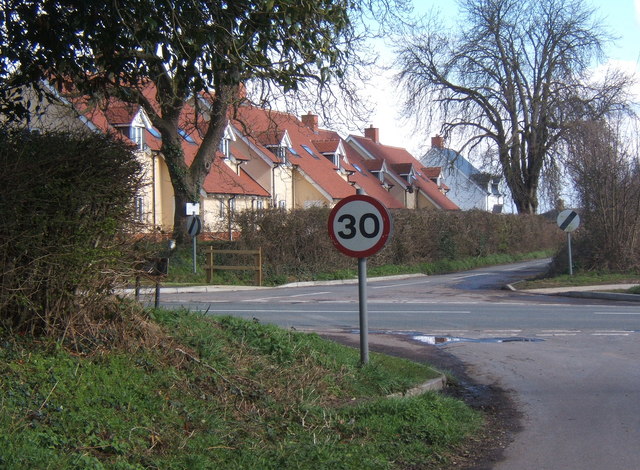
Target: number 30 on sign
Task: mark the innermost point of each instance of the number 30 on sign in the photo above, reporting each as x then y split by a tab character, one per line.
359	226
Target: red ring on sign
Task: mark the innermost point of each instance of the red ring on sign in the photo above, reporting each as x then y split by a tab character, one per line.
385	222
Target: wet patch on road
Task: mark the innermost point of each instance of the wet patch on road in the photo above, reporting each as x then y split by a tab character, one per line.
445	339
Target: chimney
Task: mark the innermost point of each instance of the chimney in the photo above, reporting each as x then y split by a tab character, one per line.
372	133
311	121
437	142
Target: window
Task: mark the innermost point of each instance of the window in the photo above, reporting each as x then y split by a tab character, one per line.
139	209
227	208
282	204
186	136
155	132
310	152
225	147
136	134
293	151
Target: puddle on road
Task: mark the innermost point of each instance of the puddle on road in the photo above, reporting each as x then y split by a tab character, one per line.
443	339
437	340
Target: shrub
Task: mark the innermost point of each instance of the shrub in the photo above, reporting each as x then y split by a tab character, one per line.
64	202
296	245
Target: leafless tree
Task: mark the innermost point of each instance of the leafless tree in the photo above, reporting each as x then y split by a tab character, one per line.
515	75
603	162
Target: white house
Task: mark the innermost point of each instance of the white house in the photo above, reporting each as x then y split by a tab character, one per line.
469	188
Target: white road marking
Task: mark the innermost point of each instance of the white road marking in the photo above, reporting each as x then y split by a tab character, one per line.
400	285
556	334
609	334
616	313
264	299
470	275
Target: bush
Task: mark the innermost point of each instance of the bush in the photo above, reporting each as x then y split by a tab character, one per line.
296	245
64	202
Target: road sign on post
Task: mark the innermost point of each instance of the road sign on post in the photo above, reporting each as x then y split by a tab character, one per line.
568	220
194	227
359	226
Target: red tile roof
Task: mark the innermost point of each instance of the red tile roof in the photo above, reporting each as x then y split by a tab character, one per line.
400	159
221	178
432	171
260	125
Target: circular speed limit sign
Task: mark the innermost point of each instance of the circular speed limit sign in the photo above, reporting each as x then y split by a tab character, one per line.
359	226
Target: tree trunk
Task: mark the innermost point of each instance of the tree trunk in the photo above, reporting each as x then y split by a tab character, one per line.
185	189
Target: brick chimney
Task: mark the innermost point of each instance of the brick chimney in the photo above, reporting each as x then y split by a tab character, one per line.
372	133
311	121
437	142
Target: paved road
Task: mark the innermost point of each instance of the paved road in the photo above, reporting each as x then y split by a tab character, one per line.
571	365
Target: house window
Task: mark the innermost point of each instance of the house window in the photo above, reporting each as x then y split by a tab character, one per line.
310	152
225	147
136	134
185	135
139	209
282	204
227	208
260	204
293	151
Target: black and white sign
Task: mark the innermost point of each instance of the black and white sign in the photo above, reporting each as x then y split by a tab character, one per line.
359	226
194	225
568	220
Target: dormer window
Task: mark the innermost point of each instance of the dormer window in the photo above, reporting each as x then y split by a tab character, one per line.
225	142
280	149
136	134
225	148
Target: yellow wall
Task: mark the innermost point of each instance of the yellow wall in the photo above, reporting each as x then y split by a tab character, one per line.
306	195
216	222
424	202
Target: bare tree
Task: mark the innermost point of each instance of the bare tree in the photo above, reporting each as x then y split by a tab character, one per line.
603	162
515	75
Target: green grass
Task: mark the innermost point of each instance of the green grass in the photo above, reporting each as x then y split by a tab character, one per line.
224	393
181	269
581	279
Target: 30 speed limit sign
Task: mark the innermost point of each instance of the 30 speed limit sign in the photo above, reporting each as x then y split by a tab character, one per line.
359	226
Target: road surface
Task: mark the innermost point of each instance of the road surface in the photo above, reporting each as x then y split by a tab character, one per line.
572	366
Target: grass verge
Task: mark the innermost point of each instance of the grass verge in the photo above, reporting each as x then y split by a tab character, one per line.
181	269
221	393
582	279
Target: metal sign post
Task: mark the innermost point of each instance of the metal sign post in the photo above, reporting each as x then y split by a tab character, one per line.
194	227
359	226
363	317
568	220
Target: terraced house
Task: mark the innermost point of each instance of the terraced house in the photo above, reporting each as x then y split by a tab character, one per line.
266	159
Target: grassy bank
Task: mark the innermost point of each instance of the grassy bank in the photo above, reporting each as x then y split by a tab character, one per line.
220	393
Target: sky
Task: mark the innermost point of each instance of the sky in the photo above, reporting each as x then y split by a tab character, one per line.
622	17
